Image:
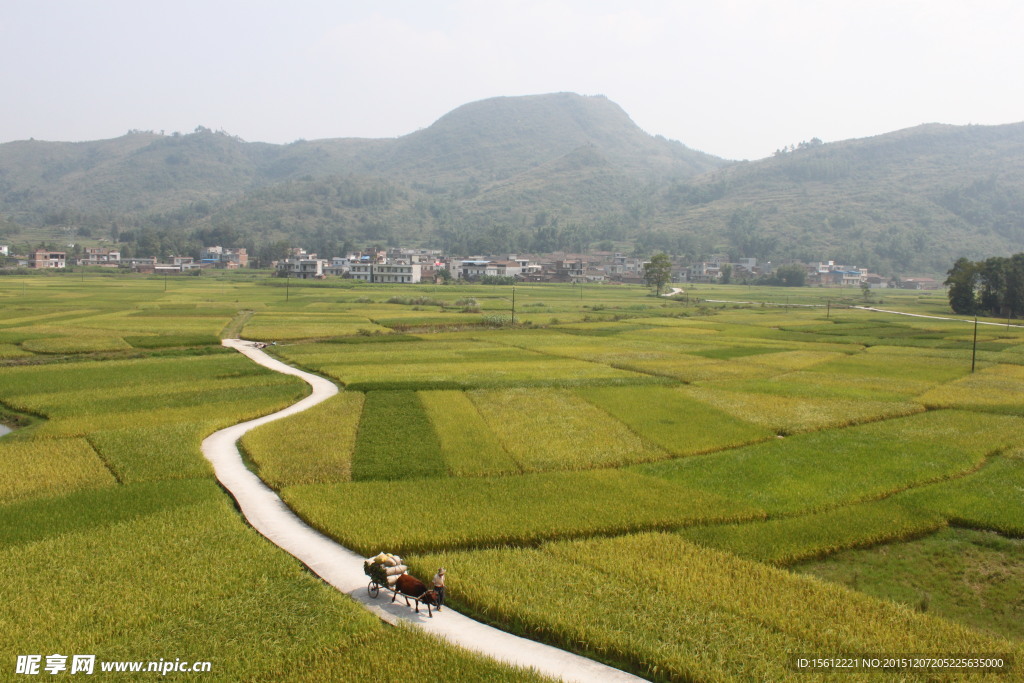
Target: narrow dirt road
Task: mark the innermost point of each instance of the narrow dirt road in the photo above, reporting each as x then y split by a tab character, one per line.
343	568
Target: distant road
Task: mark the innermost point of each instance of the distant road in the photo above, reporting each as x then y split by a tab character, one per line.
862	308
935	317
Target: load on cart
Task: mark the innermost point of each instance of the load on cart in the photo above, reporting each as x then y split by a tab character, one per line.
387	571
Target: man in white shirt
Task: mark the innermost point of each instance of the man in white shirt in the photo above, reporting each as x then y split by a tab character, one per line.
439	587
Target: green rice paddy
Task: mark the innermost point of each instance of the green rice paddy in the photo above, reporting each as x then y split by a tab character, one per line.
648	482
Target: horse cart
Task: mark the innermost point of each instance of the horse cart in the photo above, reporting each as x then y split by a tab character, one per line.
387	573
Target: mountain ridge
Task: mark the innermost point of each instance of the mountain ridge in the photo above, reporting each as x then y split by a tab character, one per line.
560	170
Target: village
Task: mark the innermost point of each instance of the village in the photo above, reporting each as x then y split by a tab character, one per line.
412	266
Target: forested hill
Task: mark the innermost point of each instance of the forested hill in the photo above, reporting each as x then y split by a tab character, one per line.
144	173
909	201
537	173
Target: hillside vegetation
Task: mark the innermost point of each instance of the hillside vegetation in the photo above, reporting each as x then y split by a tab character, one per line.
536	173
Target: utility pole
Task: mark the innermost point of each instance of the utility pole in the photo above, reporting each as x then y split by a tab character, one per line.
974	347
513	303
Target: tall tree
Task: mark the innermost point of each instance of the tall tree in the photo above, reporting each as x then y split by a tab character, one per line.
791	275
961	280
658	271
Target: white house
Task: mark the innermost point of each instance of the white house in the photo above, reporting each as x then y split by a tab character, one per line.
302	268
403	273
100	256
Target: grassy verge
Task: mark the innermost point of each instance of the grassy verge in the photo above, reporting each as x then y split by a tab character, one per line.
973	577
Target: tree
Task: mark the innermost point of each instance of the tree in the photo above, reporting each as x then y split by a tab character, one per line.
1014	298
993	287
961	280
658	271
991	275
791	275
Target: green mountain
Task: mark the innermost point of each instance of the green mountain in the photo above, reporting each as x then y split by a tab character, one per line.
537	173
909	201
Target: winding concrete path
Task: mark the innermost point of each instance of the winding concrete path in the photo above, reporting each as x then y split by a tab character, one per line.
343	568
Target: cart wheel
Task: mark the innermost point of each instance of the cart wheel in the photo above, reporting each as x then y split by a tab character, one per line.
373	589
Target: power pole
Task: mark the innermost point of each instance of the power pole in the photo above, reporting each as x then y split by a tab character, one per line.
974	347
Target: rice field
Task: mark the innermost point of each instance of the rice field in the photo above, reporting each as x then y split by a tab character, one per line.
997	388
819	470
794	539
634	479
395	439
440	365
672	610
468	445
509	510
975	577
30	469
231	599
990	498
554	429
274	326
104	491
314	447
674	421
782	414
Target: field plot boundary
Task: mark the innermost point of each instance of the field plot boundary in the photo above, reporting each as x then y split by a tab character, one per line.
342	568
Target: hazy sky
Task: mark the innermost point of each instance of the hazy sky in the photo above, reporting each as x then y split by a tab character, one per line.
735	78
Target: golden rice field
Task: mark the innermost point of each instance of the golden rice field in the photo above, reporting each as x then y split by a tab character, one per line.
647	482
325	435
679	611
32	469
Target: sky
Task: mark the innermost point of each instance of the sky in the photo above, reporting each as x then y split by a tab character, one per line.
735	78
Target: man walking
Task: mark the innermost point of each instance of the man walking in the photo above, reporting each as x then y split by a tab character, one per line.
439	587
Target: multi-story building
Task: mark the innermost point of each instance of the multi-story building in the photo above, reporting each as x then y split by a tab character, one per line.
706	271
223	257
301	268
100	256
625	266
339	266
43	258
832	274
404	273
474	269
571	270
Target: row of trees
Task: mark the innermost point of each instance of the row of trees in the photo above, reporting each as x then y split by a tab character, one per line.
993	287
